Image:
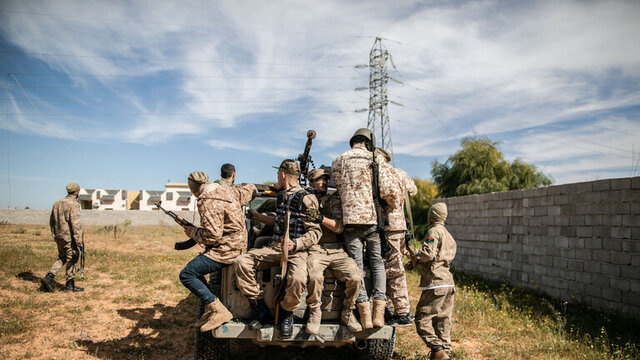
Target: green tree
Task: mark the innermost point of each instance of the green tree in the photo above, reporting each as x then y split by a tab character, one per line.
420	204
479	167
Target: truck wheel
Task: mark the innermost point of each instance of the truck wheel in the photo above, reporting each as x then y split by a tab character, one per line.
376	349
206	346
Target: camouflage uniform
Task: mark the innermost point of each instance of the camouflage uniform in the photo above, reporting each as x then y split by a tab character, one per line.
352	173
269	256
396	277
223	230
328	252
433	312
67	232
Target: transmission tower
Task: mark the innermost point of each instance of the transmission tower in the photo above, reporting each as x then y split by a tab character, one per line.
378	79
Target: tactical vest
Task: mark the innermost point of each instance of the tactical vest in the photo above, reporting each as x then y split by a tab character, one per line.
294	203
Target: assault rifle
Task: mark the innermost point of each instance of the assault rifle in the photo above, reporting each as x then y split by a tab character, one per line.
82	254
379	203
409	235
305	159
180	245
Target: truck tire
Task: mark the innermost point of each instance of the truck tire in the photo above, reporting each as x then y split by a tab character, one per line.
206	346
376	349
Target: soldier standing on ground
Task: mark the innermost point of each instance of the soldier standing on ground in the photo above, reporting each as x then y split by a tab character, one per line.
329	253
67	232
224	235
353	174
303	234
396	230
433	313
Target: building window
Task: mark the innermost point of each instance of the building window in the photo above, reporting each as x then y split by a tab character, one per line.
124	195
98	194
169	196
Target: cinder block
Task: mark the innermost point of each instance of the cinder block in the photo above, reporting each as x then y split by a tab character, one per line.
561	221
630	272
593	243
612	220
631	246
635	259
621	232
561	200
602	185
548	281
610	269
621	284
568	253
592	267
635	232
559	263
576	243
540	211
584	231
610	294
635	184
593	220
559	241
601	231
593	291
621	184
619	208
583	277
584	187
575	265
568	231
612	244
554	231
593	197
577	220
560	284
601	255
630	220
582	254
600	280
620	258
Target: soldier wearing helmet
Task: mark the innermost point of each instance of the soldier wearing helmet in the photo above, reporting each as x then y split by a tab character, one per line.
329	253
353	175
67	232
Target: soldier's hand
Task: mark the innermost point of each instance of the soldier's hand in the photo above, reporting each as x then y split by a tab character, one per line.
188	230
252	214
313	215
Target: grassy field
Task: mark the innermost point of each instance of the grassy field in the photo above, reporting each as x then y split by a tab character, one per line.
134	307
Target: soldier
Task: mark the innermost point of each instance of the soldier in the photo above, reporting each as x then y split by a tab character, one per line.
224	236
353	174
303	234
433	313
396	231
227	175
328	253
67	232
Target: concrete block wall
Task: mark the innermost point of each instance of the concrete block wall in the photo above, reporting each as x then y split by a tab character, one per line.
575	242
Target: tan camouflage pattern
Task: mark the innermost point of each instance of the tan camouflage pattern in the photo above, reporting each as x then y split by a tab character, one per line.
65	219
433	317
397	220
222	220
313	232
352	173
67	232
329	253
397	290
438	250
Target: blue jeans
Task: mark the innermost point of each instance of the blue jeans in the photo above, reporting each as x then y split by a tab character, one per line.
354	237
192	277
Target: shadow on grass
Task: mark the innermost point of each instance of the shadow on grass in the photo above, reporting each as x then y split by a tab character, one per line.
160	332
30	277
612	331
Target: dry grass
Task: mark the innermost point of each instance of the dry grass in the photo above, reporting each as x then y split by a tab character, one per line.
135	305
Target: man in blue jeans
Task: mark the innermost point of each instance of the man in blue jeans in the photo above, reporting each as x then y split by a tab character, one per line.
224	236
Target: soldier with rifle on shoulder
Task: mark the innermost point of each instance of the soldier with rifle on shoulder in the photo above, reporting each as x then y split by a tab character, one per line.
366	184
224	235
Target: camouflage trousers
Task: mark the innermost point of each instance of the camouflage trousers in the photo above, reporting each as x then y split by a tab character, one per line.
433	317
344	268
397	290
267	257
65	256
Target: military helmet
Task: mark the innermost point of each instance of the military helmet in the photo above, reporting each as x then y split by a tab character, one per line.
365	133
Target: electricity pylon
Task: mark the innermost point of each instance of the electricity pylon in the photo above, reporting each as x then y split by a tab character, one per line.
378	101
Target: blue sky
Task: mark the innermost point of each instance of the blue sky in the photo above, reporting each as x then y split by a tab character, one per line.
130	94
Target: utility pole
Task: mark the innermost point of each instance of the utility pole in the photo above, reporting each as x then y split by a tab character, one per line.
378	121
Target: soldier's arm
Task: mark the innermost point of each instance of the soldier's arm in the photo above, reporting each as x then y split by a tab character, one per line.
245	193
313	232
335	223
75	226
52	224
410	185
212	220
429	246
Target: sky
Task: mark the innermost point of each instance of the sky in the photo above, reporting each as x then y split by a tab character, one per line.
132	94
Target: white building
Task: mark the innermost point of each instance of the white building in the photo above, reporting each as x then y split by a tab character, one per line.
176	197
103	199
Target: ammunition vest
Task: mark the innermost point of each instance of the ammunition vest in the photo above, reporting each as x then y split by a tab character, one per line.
294	204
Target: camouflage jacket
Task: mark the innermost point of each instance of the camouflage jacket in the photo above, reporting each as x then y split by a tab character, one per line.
330	207
222	220
396	217
65	219
313	232
353	173
438	250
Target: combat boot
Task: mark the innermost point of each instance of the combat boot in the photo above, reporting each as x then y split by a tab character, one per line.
218	314
286	323
402	320
313	323
47	282
259	314
364	308
70	286
438	353
349	319
378	313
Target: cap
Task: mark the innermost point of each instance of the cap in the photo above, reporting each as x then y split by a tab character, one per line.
317	174
73	188
289	166
196	179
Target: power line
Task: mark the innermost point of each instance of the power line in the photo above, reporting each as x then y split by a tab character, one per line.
188	76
